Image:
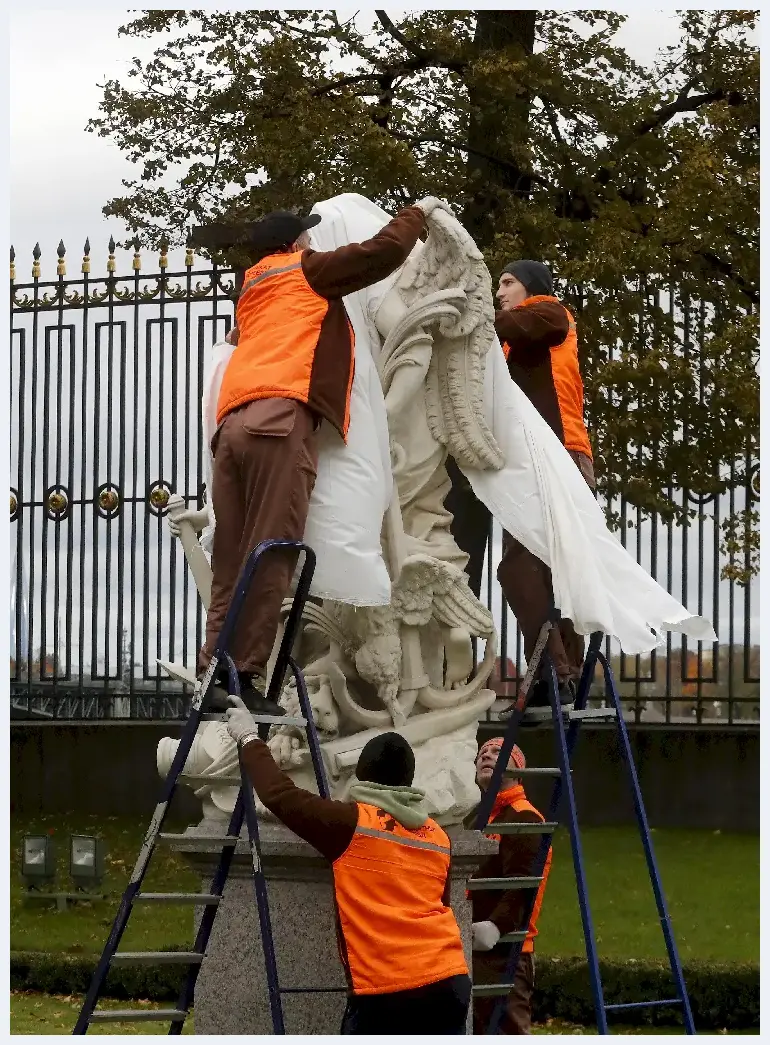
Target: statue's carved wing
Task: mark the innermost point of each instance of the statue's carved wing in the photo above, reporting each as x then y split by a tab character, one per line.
450	260
432	588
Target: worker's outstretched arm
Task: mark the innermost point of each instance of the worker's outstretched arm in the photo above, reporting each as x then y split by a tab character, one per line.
326	824
346	270
531	331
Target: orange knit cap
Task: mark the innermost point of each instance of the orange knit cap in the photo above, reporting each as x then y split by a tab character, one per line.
517	759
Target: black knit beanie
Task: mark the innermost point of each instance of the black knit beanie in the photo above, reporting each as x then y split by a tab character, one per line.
387	759
534	275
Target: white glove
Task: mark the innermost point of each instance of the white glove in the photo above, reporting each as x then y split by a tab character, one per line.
483	934
429	204
198	520
240	722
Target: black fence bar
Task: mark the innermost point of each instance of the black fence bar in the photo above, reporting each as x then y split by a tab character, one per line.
106	421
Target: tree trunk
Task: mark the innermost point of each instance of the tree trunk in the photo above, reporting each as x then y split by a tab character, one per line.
512	31
490	109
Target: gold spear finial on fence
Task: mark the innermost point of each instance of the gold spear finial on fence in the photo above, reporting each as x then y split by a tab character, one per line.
86	265
163	252
36	252
111	258
13	264
136	264
61	267
189	257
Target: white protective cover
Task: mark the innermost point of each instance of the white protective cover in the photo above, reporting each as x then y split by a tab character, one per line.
354	483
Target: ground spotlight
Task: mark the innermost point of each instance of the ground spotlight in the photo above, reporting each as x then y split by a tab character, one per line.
38	861
86	861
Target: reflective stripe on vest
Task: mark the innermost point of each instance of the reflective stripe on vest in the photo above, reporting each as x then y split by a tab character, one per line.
266	275
280	318
415	843
397	934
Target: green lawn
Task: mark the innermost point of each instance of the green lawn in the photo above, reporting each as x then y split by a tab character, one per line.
53	1014
711	882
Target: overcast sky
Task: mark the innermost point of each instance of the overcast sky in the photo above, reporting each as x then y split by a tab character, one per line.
61	176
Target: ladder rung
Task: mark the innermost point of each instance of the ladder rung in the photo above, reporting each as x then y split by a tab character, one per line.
220	841
528	882
136	1015
536	771
489	990
643	1004
273	720
204	899
546	828
515	937
592	713
157	958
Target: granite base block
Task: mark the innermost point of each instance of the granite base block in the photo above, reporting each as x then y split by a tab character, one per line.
231	992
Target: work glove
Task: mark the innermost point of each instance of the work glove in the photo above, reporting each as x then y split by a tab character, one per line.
199	519
429	204
240	722
484	935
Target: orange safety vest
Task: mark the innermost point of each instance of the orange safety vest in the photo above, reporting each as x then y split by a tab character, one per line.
396	933
515	799
280	318
567	382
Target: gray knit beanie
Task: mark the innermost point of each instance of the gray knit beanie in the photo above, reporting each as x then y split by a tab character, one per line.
534	275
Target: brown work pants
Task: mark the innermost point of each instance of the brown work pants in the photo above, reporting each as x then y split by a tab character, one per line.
526	584
489	967
265	460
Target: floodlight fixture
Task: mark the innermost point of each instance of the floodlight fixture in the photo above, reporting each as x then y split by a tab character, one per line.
86	861
38	861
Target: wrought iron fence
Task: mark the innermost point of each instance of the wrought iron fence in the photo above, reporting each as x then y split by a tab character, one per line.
106	380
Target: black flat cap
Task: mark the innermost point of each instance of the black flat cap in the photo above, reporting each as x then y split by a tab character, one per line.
275	230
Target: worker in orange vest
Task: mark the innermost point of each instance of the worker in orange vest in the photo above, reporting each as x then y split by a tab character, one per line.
496	913
398	939
291	370
539	340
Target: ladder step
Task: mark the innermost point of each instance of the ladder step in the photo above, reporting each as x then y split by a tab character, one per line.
643	1004
515	937
490	990
203	899
220	841
273	720
157	958
137	1015
528	882
597	713
546	828
537	771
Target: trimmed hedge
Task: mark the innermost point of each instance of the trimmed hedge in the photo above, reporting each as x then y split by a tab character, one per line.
722	996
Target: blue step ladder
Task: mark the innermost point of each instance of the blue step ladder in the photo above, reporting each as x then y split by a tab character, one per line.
566	721
244	809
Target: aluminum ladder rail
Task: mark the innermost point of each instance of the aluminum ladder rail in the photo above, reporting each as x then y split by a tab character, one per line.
566	739
244	809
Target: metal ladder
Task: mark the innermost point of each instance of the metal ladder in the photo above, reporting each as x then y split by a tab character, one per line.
244	809
566	739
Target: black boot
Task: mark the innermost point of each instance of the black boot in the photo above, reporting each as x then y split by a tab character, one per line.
539	697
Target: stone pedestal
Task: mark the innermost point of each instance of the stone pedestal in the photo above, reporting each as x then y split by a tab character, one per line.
231	993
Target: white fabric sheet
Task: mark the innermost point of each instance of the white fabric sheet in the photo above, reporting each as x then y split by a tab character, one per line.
540	496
